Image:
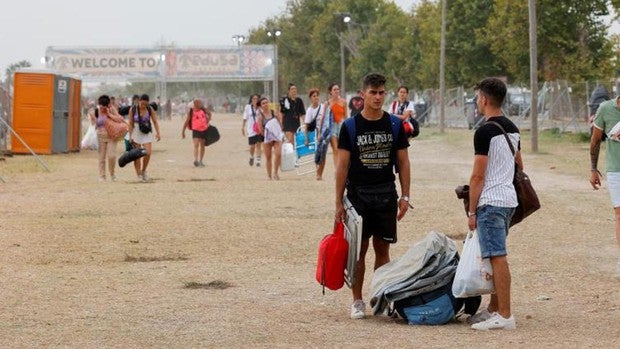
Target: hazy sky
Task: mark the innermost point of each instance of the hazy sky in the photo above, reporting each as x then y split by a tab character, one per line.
28	27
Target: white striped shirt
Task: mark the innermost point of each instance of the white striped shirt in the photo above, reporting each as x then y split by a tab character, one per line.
489	140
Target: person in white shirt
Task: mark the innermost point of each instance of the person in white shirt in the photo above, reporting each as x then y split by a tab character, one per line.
251	129
314	117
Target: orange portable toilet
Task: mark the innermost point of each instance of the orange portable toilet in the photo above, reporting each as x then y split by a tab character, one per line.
75	114
42	106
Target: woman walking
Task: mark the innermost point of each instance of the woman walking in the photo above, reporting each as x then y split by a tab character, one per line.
271	128
141	122
198	121
314	116
338	113
251	128
107	144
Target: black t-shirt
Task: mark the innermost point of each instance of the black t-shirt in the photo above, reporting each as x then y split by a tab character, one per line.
374	155
486	133
294	109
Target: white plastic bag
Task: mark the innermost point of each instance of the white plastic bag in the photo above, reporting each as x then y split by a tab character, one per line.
288	157
474	275
90	139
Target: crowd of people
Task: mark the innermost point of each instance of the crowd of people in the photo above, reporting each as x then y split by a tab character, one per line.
370	153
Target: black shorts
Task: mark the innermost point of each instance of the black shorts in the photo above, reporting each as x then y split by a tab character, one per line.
199	134
255	139
290	124
381	224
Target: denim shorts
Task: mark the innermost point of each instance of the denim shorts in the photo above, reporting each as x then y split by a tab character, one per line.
335	128
613	183
493	223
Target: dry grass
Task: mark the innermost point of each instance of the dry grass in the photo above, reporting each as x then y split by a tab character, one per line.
64	238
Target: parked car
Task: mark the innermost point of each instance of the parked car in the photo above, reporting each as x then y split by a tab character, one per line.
518	103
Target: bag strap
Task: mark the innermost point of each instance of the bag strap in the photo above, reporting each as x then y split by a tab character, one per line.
512	148
317	112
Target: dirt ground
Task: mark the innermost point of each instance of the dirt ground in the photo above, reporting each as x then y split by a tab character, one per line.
85	264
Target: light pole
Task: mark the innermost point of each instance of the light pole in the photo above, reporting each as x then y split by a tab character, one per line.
164	92
442	68
275	33
343	19
238	39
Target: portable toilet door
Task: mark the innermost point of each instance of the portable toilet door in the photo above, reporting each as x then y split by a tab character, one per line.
74	130
60	128
33	99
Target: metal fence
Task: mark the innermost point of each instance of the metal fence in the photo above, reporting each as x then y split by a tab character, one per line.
5	114
562	105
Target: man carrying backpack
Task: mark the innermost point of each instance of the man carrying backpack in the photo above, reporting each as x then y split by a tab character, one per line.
371	144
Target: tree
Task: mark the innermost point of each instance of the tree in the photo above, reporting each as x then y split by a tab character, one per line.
571	39
11	69
468	52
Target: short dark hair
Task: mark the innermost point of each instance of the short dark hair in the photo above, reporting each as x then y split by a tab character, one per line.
103	100
373	80
402	86
494	89
291	85
144	97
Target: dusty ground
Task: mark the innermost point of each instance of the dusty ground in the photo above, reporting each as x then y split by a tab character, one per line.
86	264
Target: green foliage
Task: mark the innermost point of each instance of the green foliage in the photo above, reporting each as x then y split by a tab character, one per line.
484	38
14	67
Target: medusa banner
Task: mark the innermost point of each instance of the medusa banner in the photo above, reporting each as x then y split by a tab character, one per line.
242	63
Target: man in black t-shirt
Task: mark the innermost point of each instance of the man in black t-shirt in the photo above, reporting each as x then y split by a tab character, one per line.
370	145
292	113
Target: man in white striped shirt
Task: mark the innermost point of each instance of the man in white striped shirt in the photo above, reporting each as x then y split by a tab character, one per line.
492	198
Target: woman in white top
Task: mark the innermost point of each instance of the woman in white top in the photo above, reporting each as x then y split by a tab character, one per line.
314	117
255	139
404	109
271	128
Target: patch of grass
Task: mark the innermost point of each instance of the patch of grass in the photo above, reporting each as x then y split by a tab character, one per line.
197	180
554	135
213	285
142	259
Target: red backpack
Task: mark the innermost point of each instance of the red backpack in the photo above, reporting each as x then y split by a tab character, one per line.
333	254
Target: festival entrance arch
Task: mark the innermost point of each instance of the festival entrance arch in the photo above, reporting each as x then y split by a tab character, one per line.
165	64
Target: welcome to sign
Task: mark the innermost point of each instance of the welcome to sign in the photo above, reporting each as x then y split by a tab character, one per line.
249	62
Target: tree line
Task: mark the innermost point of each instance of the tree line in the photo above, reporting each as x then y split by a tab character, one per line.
484	38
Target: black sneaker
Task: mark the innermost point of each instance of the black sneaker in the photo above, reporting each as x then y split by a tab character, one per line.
251	161
196	164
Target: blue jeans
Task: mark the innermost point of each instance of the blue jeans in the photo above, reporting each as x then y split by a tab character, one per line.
492	224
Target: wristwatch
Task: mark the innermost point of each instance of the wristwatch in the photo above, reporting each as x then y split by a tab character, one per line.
469	214
405	198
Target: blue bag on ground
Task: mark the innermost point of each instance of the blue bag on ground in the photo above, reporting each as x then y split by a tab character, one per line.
439	311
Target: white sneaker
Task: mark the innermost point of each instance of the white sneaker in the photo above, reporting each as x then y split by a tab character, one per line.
496	322
113	178
145	178
358	309
479	317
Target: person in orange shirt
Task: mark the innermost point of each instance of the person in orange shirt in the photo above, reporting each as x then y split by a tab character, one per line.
337	115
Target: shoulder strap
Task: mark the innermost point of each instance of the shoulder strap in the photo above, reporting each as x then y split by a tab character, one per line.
512	148
396	122
350	125
394	105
